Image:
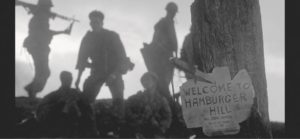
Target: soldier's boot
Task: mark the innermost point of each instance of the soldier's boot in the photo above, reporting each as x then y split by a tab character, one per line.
31	93
38	83
92	127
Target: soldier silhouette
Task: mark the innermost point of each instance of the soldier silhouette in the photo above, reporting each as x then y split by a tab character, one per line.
148	113
64	113
108	61
161	49
37	43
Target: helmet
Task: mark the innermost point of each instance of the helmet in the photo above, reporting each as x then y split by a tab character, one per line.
45	3
171	6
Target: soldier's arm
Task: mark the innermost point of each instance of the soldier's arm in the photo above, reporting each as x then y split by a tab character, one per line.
174	41
83	54
120	52
119	47
173	38
54	32
183	53
66	31
78	79
82	59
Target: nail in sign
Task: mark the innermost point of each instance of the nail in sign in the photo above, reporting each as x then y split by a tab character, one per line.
220	106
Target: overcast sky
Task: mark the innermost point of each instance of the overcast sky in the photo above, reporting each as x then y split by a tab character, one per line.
134	21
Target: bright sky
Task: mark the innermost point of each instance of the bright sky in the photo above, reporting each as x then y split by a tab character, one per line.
134	21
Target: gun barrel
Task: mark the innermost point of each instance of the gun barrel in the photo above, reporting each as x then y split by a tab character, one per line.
24	4
66	18
18	2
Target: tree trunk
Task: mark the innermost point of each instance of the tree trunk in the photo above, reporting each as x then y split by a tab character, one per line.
229	33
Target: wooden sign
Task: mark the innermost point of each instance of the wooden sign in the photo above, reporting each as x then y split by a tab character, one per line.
220	106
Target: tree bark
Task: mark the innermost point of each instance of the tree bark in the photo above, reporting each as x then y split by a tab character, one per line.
229	33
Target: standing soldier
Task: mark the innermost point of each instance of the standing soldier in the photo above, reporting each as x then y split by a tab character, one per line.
108	61
162	48
37	43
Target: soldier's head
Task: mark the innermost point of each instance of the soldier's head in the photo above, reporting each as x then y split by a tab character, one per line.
45	4
171	9
66	79
96	20
149	80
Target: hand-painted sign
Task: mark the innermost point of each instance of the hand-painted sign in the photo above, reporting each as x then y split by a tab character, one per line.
220	106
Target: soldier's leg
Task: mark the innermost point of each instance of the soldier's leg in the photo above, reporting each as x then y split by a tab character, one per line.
158	69
91	87
87	121
116	89
29	87
163	84
169	73
42	72
164	71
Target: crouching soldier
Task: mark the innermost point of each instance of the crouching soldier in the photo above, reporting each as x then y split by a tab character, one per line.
63	113
148	113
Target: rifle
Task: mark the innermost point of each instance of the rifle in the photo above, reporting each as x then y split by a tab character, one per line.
65	18
29	7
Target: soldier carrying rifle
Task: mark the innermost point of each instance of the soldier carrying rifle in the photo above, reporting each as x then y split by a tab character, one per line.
163	46
38	40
